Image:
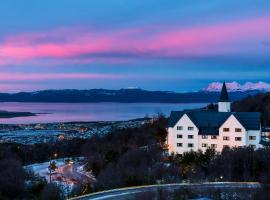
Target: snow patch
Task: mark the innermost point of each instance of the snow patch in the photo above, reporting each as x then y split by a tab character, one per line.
235	86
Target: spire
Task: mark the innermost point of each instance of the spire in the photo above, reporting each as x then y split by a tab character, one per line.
224	97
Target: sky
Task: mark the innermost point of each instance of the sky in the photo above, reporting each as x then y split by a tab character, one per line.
172	45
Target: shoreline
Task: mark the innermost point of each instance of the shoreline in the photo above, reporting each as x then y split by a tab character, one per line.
29	134
7	114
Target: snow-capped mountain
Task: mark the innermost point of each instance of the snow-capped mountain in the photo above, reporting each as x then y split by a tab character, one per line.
235	86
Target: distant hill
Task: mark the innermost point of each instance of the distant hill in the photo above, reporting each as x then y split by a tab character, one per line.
257	103
122	96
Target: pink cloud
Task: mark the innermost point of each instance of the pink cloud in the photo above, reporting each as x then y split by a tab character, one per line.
48	76
171	41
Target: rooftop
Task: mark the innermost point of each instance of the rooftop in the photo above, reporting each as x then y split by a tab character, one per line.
208	122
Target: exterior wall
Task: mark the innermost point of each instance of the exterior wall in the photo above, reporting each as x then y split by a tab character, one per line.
209	141
256	143
224	106
232	123
185	122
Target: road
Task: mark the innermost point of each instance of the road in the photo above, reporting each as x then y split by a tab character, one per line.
127	193
70	171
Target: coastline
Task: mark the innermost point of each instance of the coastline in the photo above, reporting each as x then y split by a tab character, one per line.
8	114
28	134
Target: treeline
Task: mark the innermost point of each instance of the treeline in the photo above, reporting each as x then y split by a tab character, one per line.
236	164
151	166
257	103
253	103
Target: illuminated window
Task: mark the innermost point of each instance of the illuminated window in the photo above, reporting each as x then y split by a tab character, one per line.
204	145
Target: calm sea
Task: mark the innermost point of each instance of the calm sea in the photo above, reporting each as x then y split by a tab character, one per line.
67	112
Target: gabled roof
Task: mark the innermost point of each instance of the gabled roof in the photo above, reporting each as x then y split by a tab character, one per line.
209	122
224	97
249	120
175	117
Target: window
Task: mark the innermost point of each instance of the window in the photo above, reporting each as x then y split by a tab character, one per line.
179	144
213	137
204	145
190	136
238	139
179	128
204	136
179	136
238	130
226	146
190	128
226	130
213	146
252	137
190	145
226	138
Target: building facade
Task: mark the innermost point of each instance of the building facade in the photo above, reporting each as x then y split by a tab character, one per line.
199	130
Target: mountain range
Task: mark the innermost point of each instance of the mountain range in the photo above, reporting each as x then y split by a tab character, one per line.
122	96
235	86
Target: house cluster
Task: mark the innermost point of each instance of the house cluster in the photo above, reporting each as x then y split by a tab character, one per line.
201	129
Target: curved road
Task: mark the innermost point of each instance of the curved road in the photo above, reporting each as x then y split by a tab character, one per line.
70	172
124	193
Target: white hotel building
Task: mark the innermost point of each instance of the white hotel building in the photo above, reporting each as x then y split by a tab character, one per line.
199	130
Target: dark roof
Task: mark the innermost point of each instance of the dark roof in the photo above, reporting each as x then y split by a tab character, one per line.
174	117
224	97
209	122
249	120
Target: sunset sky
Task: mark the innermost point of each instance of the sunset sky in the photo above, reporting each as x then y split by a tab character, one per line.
171	45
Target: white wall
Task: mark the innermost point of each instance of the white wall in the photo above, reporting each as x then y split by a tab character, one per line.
257	134
185	122
232	123
207	141
224	106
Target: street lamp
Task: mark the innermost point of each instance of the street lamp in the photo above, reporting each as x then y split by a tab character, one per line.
50	166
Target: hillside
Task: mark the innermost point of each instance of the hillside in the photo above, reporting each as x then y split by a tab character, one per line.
256	103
